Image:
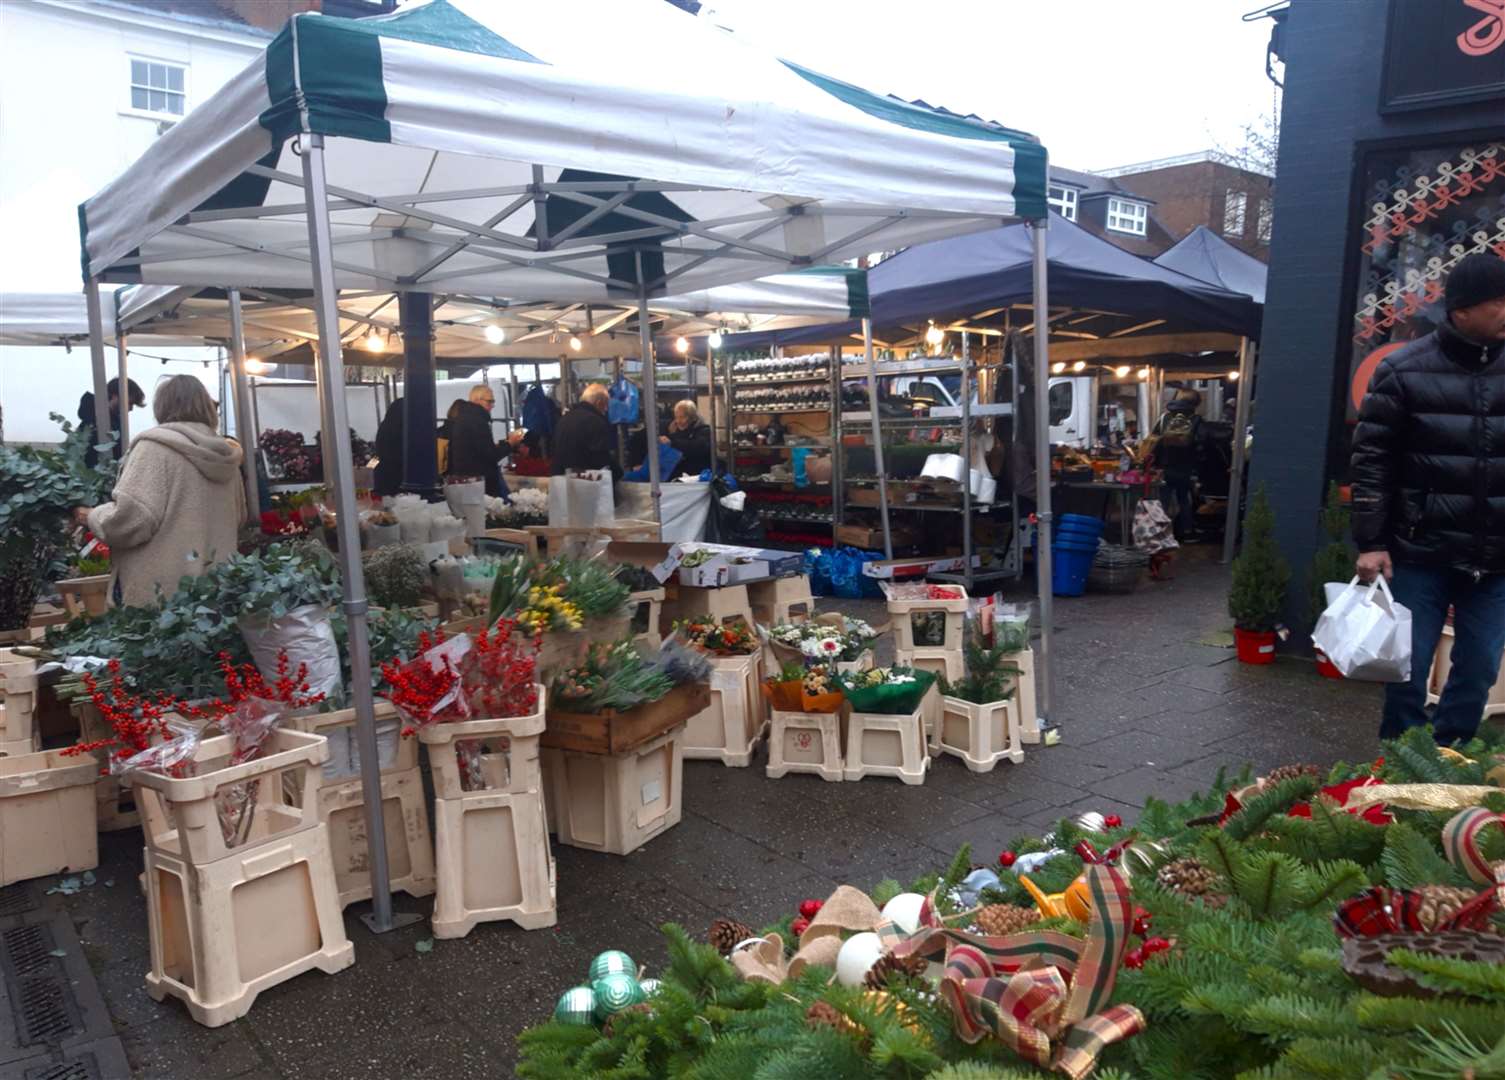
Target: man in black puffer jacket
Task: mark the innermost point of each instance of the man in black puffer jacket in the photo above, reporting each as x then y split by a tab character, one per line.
1429	498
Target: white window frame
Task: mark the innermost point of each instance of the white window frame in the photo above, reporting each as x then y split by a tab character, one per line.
1264	224
1066	204
130	109
1127	216
1235	212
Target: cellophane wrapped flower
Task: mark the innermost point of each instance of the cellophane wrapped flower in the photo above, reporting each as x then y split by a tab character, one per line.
613	675
893	690
721	639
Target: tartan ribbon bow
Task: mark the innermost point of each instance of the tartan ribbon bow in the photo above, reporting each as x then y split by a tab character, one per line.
1043	994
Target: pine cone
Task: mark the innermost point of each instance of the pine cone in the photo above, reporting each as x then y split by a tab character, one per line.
908	968
1440	903
1001	920
1187	876
726	934
821	1014
1290	772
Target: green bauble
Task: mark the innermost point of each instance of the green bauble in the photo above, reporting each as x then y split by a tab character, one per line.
650	987
611	962
577	1006
614	992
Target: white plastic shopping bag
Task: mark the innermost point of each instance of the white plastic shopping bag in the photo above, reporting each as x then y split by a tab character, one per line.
1365	633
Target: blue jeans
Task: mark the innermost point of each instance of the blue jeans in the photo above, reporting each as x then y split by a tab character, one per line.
1479	636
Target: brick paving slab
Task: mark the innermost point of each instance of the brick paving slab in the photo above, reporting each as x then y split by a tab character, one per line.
1146	707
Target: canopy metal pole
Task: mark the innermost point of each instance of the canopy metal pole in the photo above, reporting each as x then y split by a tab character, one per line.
966	388
650	396
123	381
872	404
97	357
337	445
1246	355
245	429
710	389
1043	573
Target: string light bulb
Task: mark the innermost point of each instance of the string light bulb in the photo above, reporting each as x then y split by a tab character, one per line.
1144	374
681	345
257	367
374	343
1121	370
1233	376
575	343
1058	367
935	335
495	334
714	339
1080	365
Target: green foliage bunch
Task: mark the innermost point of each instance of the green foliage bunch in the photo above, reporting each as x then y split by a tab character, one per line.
1253	986
1260	573
396	575
988	672
612	676
38	490
1334	560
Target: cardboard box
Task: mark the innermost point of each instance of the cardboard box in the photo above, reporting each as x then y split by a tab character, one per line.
871	537
722	570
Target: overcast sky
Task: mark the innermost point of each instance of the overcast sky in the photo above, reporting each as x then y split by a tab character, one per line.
1101	82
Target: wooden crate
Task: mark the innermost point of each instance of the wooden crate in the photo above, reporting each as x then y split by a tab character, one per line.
612	732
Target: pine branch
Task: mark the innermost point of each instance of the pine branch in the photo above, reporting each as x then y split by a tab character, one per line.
1451	975
1276	799
1410	860
1454	1054
1399	1016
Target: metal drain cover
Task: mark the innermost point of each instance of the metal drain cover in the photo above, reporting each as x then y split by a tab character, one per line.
17	899
50	1000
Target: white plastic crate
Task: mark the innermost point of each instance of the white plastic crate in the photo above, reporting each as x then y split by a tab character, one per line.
616	803
729	728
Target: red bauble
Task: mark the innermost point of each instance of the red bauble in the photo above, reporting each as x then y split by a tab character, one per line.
799	926
1153	945
1134	958
809	908
1113	821
1142	921
1007	859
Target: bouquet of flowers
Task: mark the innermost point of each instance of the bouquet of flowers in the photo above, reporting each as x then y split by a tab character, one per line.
613	675
892	690
559	594
719	639
804	689
833	638
526	506
289	457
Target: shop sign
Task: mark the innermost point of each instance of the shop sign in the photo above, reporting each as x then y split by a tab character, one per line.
1443	52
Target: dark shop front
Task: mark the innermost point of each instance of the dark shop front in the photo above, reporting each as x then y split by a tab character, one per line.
1391	169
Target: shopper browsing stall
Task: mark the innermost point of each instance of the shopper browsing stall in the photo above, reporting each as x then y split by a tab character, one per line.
472	451
179	502
135	399
691	436
583	439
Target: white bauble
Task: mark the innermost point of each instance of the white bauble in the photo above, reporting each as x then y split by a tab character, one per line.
857	956
904	911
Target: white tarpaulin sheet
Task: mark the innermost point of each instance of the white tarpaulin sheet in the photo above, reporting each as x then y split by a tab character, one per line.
540	151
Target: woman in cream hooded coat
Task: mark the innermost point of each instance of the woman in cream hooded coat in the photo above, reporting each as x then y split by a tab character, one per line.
179	502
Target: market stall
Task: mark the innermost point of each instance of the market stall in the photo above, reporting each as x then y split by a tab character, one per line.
369	155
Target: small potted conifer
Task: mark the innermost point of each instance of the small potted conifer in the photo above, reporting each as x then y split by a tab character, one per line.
1261	576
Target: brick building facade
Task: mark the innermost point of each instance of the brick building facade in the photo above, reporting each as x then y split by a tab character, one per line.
1200	189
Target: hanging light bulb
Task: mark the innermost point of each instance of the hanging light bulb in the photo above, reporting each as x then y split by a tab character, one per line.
1121	370
576	343
1058	367
257	367
374	342
935	335
1079	365
1144	374
714	340
1233	376
681	345
495	334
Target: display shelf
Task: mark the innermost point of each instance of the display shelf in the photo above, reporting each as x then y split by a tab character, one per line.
776	380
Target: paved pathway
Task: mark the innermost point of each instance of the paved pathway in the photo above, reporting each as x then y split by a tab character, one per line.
1145	709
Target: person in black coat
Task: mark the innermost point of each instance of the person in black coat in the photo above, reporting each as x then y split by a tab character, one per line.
386	478
472	450
691	436
86	416
1428	473
583	438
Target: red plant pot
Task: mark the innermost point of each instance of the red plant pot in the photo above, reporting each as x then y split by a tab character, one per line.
1254	646
1325	666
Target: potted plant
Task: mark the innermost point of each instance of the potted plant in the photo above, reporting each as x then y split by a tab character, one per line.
1334	561
396	576
38	492
86	590
978	720
1261	576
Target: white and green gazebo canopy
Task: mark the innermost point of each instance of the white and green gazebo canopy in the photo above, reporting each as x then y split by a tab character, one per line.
578	150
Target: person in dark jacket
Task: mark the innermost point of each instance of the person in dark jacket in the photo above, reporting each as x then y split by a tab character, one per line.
386	478
472	450
86	416
583	438
1428	474
1178	450
691	436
